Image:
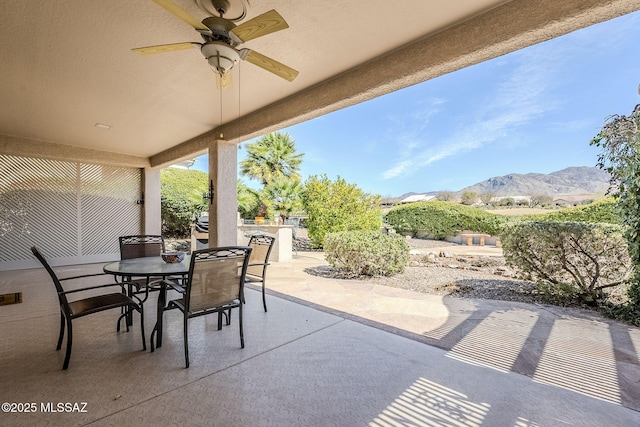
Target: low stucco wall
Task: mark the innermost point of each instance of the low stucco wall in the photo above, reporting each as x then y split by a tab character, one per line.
282	247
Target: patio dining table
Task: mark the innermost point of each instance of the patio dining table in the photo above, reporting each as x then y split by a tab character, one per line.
150	267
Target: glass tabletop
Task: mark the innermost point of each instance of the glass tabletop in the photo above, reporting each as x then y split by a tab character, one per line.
149	266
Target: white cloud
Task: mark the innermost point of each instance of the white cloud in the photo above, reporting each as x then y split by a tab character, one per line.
524	95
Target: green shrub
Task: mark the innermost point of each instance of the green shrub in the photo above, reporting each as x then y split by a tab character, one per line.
442	219
334	206
601	211
568	260
181	199
368	253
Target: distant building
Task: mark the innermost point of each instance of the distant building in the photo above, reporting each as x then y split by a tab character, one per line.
417	198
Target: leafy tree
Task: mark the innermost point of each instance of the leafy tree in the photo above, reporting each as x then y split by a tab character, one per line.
335	206
446	196
619	141
273	155
540	200
248	201
283	196
507	201
487	197
469	197
181	199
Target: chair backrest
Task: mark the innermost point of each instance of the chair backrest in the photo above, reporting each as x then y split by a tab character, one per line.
140	246
216	277
261	246
64	303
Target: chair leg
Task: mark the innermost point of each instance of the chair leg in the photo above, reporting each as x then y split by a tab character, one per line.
220	313
67	356
144	341
62	325
240	324
122	316
186	341
154	332
264	299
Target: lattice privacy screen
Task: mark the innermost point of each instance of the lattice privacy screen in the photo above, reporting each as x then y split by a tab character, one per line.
69	210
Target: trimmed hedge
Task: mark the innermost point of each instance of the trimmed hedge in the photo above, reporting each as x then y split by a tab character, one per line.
442	219
601	211
568	260
369	253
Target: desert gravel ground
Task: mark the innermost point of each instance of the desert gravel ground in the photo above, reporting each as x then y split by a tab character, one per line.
437	272
485	277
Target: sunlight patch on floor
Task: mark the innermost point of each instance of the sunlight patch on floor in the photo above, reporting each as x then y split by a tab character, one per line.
427	403
497	341
580	359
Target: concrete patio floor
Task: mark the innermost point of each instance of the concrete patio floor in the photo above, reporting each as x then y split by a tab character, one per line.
328	353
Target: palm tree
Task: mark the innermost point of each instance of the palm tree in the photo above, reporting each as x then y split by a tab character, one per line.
283	196
273	155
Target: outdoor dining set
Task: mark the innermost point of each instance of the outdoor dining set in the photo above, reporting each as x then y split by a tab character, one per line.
207	281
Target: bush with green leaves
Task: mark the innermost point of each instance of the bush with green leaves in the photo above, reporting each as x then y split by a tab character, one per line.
369	253
334	206
469	198
248	201
619	141
181	199
441	219
601	211
570	261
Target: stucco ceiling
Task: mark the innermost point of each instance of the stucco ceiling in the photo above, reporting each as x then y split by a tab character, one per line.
67	65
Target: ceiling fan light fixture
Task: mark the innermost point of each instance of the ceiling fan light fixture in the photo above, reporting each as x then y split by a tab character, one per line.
220	56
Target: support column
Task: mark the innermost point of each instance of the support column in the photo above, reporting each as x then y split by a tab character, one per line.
152	215
223	171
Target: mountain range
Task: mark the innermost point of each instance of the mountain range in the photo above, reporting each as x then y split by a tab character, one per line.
572	181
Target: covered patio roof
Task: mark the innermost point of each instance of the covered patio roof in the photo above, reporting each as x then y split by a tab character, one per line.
73	89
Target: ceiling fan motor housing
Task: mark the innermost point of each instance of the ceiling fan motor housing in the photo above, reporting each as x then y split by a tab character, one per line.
220	29
221	6
232	10
220	56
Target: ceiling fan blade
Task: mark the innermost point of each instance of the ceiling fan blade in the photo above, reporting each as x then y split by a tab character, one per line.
269	64
150	50
261	25
181	13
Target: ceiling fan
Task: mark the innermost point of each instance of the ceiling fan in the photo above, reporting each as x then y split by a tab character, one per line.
222	37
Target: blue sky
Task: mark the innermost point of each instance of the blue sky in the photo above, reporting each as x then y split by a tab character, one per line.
534	110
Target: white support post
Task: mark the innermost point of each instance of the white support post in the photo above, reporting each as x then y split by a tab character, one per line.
152	218
223	171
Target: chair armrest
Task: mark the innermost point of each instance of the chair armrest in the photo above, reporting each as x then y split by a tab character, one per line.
173	285
89	288
261	263
82	276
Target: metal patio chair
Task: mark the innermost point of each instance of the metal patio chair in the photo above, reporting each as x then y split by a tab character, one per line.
139	246
257	268
70	310
214	285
